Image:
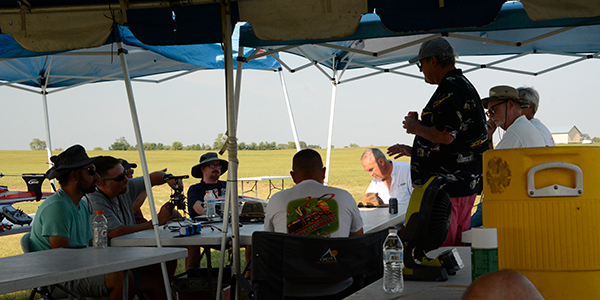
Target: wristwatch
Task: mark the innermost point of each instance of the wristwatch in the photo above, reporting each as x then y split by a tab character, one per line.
167	177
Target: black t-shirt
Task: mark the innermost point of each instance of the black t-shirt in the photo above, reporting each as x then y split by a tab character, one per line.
455	108
197	191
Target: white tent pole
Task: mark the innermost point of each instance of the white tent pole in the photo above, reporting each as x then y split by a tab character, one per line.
289	109
146	175
47	124
331	116
231	192
47	118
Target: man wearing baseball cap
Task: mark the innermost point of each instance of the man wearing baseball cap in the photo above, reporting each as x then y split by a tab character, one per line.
451	136
64	220
504	108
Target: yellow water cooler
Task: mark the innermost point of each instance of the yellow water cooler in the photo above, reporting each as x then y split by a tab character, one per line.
545	204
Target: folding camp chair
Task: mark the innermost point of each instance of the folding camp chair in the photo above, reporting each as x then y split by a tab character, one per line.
279	259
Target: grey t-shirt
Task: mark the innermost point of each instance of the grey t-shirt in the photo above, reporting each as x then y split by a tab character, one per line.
118	211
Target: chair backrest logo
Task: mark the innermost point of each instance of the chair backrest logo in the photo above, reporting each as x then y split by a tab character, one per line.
328	257
33	181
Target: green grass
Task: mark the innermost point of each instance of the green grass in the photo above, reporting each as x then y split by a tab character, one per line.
345	172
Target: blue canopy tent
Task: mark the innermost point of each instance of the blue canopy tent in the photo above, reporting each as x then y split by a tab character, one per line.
53	25
51	72
374	46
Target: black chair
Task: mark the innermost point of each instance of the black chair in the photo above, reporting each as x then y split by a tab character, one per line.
279	259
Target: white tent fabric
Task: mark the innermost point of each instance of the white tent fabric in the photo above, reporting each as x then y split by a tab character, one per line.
374	47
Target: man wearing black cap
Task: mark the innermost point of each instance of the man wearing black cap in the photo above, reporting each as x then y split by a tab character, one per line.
210	168
64	220
451	136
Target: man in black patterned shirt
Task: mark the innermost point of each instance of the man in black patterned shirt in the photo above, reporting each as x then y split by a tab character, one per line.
451	136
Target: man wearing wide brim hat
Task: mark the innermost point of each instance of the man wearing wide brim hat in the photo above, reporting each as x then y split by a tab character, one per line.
64	220
504	109
210	168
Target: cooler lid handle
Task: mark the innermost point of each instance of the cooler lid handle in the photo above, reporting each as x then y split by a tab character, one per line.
555	190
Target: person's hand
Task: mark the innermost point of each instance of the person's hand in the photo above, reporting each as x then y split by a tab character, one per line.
399	150
491	127
410	124
165	213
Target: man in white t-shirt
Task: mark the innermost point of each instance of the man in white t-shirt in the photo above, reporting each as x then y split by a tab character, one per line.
310	208
391	179
504	108
533	98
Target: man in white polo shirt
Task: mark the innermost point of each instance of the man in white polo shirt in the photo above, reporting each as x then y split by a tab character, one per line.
504	108
391	179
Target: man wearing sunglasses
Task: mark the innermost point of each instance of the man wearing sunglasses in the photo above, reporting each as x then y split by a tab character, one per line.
64	220
210	168
504	108
451	136
115	194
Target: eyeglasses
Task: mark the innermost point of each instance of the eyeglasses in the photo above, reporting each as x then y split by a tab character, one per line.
118	178
91	170
129	171
492	110
214	166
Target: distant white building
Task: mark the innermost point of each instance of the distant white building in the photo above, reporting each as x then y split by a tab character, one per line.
566	135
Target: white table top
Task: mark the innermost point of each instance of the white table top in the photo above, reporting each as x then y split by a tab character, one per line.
258	178
207	237
48	267
453	289
374	219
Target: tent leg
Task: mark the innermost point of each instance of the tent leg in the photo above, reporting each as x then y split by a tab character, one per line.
289	108
231	193
48	141
331	117
140	146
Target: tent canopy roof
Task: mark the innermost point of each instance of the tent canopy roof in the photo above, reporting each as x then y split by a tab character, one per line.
44	25
512	32
76	67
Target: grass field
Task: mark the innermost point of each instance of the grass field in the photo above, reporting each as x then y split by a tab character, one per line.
345	172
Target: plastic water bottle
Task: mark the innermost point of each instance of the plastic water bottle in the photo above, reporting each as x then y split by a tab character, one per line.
209	200
393	262
100	228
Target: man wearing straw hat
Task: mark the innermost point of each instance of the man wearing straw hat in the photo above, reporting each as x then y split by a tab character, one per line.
504	108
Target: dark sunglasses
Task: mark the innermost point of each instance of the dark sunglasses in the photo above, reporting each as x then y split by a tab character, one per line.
91	170
129	172
213	166
118	178
492	110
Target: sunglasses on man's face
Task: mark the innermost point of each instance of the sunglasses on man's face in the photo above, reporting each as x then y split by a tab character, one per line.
91	170
213	166
118	178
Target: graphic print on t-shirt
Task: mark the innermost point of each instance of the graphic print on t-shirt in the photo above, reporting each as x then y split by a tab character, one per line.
310	216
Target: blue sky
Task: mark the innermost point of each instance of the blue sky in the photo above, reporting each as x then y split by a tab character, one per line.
191	109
